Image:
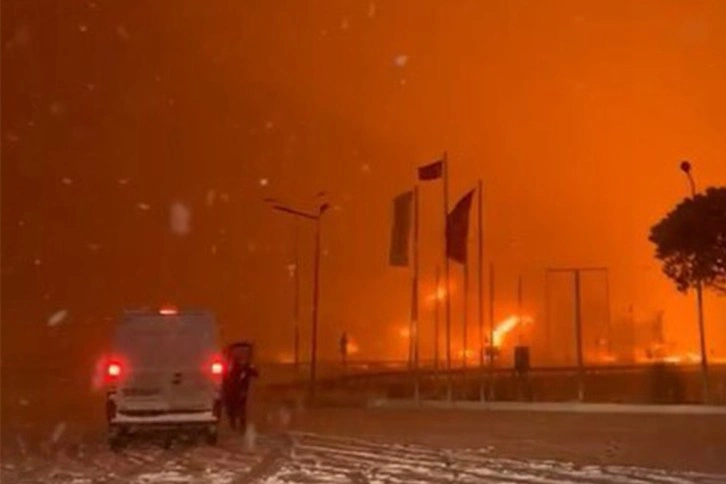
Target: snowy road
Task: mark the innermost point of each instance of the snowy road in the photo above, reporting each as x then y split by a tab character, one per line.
313	458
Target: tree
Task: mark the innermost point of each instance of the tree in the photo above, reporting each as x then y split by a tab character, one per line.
691	241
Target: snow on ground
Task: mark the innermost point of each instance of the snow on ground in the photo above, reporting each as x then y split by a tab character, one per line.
315	458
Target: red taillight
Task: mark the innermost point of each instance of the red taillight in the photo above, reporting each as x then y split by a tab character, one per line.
113	370
217	368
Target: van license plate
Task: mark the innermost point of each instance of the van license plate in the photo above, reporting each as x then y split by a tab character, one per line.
141	392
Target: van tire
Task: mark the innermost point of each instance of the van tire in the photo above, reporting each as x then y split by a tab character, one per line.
211	437
117	437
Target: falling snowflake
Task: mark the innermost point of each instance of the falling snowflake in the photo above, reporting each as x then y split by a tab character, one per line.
250	437
291	268
143	206
122	32
31	124
401	60
67	181
214	250
402	81
23	402
211	196
37	262
264	182
58	432
180	218
323	33
365	168
224	196
344	24
251	247
22	37
371	10
123	181
82	28
57	108
21	223
269	125
93	247
12	137
57	317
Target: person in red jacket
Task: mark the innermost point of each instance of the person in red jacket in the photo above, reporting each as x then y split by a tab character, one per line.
236	386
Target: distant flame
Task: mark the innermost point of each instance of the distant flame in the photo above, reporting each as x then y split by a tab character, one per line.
505	327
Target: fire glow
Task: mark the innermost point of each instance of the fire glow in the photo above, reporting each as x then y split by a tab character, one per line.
505	327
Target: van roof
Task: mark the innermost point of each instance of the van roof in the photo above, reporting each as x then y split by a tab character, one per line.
157	312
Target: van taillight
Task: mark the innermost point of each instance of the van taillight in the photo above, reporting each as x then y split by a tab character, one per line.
217	368
113	370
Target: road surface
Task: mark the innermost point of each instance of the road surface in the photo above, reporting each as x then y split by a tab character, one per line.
383	446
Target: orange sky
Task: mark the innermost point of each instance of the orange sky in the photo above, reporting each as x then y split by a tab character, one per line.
575	114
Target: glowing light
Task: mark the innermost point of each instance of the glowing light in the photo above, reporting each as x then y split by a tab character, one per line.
505	327
114	370
217	368
353	348
168	311
468	353
404	332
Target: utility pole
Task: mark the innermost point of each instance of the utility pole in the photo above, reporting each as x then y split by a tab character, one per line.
317	218
686	168
296	302
577	276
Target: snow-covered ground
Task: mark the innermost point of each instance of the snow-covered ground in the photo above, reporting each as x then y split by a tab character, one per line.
301	457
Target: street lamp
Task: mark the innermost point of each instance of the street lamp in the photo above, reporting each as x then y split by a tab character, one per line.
686	168
317	218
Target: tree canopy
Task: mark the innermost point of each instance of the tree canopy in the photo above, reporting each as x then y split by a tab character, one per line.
691	241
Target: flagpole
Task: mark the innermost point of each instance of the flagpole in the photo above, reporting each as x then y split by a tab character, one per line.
414	307
437	331
480	301
296	309
465	319
491	331
447	275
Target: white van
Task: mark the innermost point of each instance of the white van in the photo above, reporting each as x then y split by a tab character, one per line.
164	373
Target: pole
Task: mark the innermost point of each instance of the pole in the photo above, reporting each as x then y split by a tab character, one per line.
548	318
702	341
686	167
578	339
491	331
480	283
465	318
447	276
414	302
608	315
519	308
296	308
316	298
437	331
480	276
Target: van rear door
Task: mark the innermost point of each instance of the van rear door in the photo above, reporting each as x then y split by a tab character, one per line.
195	343
144	344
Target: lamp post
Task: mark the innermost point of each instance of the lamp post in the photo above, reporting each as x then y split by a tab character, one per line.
317	218
686	169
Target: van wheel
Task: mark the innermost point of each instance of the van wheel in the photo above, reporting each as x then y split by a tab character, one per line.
212	437
116	440
168	440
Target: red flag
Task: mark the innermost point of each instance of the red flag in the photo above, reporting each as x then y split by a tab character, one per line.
457	229
401	230
432	171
